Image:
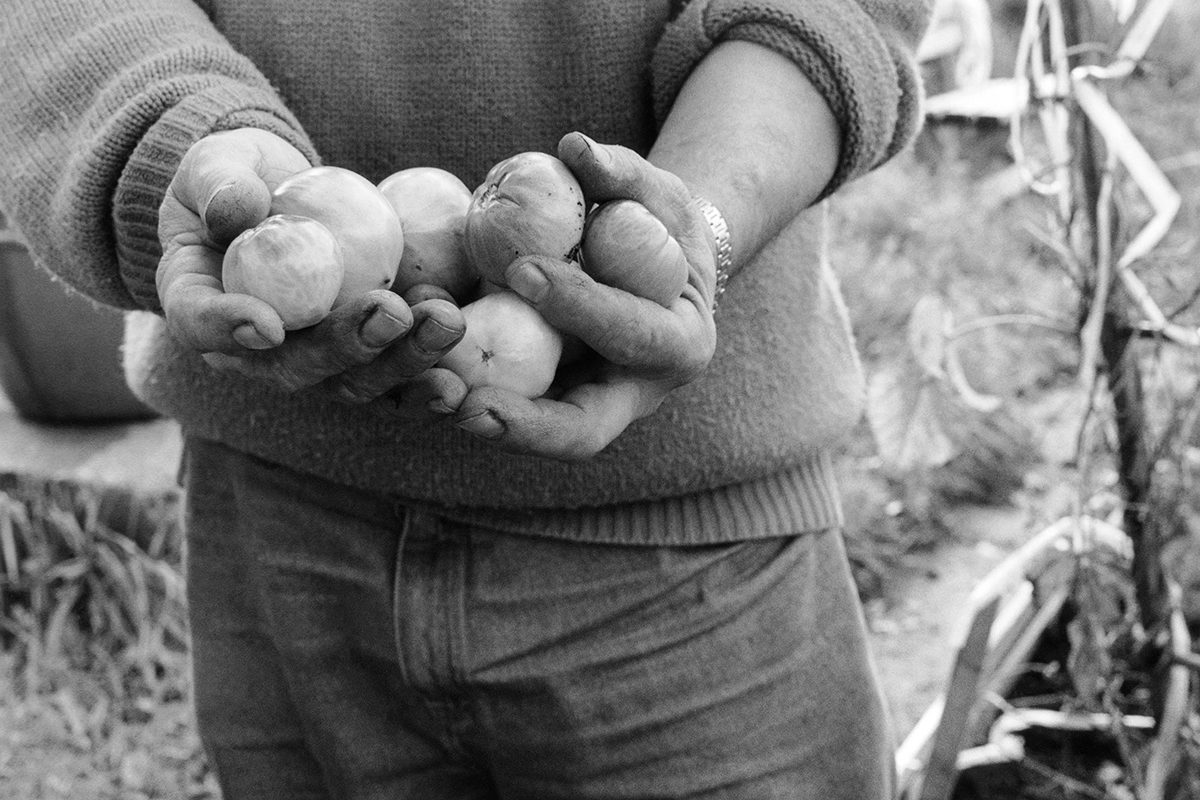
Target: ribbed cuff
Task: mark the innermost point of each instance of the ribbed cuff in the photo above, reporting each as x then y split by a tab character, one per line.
147	175
870	86
797	500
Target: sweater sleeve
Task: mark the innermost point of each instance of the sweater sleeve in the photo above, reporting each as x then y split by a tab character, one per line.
860	56
99	99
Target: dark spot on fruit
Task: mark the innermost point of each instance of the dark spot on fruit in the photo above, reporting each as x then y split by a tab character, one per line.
486	355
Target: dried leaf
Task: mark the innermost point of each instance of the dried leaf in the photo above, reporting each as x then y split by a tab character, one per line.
929	324
903	415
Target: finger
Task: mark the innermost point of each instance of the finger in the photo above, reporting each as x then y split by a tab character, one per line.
227	179
354	334
433	394
577	426
426	291
236	205
612	172
624	329
437	327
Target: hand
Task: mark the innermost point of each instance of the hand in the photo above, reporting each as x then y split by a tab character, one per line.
646	351
362	351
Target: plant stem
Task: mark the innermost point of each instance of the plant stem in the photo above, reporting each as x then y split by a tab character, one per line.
1117	339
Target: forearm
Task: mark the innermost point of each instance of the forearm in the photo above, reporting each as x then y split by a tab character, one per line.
749	132
742	110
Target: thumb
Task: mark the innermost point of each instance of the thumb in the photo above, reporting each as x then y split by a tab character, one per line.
612	172
241	202
225	178
606	172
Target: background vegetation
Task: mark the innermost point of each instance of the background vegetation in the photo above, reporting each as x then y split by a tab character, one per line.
93	644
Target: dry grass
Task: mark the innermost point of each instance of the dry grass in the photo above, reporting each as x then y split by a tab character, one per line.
92	619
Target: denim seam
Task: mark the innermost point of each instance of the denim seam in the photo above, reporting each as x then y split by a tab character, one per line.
398	593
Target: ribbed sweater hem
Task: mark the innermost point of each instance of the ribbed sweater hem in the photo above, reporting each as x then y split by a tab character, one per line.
153	163
801	499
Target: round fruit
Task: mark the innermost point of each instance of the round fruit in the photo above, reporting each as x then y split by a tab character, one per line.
529	204
293	264
358	215
626	246
432	206
507	344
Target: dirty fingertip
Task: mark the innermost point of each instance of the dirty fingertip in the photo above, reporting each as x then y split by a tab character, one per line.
484	424
233	208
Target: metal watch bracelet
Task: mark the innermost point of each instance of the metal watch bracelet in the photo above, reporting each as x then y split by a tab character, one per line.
720	231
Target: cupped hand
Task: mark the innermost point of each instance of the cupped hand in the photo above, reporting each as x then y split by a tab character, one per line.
644	350
376	346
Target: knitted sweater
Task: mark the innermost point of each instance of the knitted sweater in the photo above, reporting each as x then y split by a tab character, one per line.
100	98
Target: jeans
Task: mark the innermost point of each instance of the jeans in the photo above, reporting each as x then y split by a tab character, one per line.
348	647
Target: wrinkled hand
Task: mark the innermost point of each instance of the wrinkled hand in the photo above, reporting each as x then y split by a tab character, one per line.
646	351
365	349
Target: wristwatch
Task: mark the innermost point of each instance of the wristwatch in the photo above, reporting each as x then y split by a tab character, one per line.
720	231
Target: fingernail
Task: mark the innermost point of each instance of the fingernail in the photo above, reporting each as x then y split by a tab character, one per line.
528	281
598	151
248	336
381	328
439	405
602	154
224	187
433	336
484	424
239	208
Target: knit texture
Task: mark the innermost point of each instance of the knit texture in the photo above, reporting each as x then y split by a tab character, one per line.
94	91
99	99
146	177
